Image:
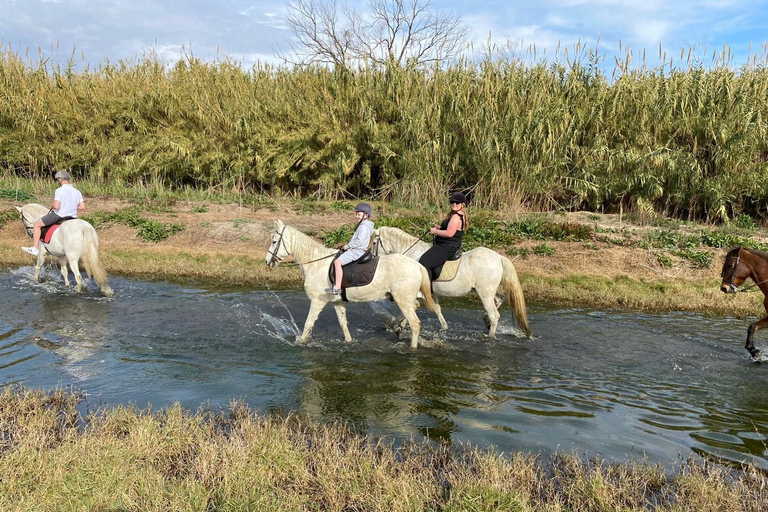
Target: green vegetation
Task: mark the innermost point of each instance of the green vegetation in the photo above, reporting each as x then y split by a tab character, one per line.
149	230
687	142
53	458
16	195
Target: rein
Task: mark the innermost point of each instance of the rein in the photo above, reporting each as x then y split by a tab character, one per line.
409	248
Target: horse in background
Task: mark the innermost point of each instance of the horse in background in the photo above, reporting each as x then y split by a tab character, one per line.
397	278
73	241
480	269
742	263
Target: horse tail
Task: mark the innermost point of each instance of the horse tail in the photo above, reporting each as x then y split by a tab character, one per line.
514	292
426	289
91	260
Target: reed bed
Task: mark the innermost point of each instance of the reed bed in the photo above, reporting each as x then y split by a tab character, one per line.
53	457
687	141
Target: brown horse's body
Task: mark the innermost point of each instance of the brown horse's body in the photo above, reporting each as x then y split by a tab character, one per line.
740	264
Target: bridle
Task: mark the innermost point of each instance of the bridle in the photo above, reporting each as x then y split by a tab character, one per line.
278	260
27	225
735	266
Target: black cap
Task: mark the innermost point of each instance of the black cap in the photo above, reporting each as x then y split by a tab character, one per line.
458	197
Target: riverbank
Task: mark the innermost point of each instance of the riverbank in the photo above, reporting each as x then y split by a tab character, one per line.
608	263
54	458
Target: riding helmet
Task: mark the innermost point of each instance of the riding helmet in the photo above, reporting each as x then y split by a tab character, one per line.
62	175
365	208
458	197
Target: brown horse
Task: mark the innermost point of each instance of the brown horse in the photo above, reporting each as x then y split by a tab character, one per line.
742	263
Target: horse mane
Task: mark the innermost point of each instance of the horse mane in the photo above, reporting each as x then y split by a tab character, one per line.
402	239
308	246
33	209
756	252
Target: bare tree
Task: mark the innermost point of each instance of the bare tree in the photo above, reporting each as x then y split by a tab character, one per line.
331	32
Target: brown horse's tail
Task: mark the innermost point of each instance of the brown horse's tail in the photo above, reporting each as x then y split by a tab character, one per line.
91	261
426	289
514	292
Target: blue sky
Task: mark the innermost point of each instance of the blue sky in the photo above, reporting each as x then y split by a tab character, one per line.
251	31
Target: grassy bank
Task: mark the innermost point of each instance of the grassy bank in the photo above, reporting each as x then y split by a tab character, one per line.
53	458
591	260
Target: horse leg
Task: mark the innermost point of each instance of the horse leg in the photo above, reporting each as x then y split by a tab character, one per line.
750	345
314	310
64	272
440	317
492	315
341	314
409	312
76	271
39	265
498	300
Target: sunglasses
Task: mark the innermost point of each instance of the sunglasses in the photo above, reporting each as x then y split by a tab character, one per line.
456	202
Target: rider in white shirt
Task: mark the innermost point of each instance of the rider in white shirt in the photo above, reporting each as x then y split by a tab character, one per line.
67	202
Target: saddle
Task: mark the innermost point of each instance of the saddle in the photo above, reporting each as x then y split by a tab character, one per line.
358	273
450	268
47	231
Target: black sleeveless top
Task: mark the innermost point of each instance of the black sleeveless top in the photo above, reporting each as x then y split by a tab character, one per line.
453	243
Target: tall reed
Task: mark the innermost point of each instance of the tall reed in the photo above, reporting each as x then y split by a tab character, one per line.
689	141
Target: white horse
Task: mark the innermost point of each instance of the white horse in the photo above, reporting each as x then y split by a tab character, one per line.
73	241
397	277
481	270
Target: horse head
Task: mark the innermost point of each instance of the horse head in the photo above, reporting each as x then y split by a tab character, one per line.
734	272
277	251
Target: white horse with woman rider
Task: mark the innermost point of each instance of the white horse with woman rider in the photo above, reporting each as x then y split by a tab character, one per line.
397	278
480	269
74	241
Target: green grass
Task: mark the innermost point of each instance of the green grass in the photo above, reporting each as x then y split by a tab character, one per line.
149	230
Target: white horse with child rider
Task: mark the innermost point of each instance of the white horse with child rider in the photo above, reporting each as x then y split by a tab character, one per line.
480	269
74	241
397	278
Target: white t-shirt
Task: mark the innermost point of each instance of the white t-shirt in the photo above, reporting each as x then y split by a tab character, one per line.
69	197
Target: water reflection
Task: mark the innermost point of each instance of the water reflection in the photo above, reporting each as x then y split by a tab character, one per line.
616	384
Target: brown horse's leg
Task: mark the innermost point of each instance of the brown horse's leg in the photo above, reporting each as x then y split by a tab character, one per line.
750	345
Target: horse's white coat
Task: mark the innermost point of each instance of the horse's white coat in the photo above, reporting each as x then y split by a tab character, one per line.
481	270
73	241
396	276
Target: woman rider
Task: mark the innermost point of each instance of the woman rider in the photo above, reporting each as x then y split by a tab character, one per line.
447	237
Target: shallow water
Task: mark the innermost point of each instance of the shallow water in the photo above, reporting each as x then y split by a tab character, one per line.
616	384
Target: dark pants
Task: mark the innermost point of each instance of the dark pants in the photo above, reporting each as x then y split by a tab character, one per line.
50	219
433	260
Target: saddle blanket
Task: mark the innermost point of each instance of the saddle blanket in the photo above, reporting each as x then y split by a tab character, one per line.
449	271
356	274
47	232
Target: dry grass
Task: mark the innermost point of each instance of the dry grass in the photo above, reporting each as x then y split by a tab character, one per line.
141	460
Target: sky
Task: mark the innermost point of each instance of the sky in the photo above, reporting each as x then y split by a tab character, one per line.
253	31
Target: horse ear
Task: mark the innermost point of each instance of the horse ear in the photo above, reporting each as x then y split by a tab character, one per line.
278	225
18	208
